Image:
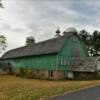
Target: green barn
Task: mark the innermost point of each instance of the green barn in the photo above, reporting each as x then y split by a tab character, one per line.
53	58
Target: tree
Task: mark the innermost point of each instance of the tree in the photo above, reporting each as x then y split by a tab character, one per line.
92	41
2	43
96	42
2	37
1	6
86	37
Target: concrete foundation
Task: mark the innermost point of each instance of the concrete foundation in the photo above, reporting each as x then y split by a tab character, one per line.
56	75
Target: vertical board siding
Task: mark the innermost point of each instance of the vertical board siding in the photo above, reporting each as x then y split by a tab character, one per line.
43	62
70	44
52	61
67	52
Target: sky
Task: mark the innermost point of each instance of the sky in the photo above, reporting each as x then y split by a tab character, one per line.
40	18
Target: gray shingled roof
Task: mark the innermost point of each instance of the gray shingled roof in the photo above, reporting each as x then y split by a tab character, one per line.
46	47
87	64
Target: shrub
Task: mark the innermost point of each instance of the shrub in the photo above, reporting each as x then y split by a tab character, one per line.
16	72
29	73
22	72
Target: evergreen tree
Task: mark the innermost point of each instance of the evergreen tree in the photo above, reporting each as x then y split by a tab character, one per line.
92	41
86	37
96	42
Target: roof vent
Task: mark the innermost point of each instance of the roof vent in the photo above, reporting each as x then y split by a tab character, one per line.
70	30
30	40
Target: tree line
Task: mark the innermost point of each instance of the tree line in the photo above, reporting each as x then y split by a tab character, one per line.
92	41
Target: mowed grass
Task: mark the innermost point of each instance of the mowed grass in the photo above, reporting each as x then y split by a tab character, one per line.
16	88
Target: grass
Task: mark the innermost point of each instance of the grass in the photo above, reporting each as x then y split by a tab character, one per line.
16	88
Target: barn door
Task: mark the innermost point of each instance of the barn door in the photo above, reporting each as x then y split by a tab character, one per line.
70	75
50	73
65	75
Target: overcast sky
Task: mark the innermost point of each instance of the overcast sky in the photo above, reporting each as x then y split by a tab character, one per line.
40	18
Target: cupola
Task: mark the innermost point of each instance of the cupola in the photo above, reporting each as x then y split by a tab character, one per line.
58	33
30	40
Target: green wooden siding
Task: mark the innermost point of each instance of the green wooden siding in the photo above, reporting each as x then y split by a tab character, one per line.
43	62
73	47
70	45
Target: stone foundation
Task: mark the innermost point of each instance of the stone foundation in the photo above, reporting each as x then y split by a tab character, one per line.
30	73
38	74
58	75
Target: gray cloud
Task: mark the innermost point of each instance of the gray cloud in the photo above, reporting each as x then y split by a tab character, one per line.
39	18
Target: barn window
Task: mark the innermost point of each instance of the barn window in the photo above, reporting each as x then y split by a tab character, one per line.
68	63
63	62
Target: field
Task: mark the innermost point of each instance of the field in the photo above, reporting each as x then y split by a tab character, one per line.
16	88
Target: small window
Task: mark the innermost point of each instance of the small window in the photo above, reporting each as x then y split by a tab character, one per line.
63	62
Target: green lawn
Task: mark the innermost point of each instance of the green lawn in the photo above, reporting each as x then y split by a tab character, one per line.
16	88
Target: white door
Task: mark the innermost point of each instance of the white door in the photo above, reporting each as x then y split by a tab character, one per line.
70	75
98	65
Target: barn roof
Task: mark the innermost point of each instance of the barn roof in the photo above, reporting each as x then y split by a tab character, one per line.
46	47
86	64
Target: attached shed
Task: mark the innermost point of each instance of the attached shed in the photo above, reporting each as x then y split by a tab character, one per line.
51	59
85	68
